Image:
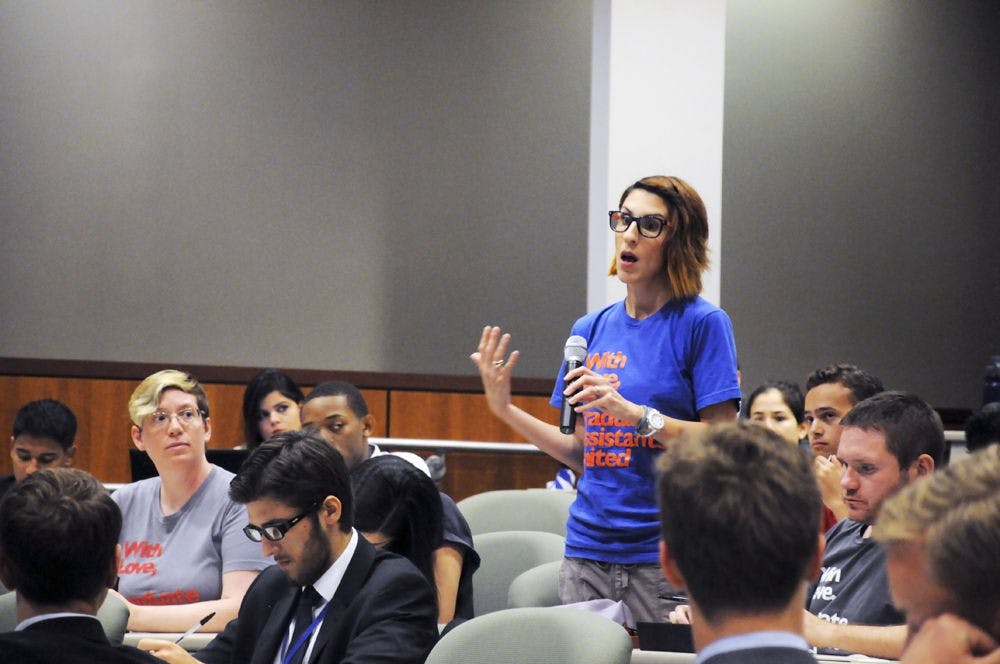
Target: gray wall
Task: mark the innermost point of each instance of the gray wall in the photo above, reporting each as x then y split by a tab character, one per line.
348	185
363	185
861	194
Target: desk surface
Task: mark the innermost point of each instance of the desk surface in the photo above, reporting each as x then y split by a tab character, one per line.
662	657
199	640
192	643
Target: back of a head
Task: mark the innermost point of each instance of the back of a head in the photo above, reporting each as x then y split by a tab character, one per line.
46	418
983	427
740	513
910	426
335	388
394	498
299	469
58	533
859	382
955	511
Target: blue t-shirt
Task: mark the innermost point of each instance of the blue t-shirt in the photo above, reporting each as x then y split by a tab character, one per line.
679	360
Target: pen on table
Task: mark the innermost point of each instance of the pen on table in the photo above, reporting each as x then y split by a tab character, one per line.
194	628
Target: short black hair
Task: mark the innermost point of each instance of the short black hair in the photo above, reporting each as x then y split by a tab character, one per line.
46	418
335	388
297	468
58	532
910	426
983	427
859	382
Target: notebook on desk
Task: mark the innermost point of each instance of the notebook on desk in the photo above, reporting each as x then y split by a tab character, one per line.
664	636
142	466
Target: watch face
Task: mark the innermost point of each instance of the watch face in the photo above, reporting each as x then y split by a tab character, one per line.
656	420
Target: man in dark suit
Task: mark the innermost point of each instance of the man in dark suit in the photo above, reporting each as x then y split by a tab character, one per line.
739	512
59	551
332	596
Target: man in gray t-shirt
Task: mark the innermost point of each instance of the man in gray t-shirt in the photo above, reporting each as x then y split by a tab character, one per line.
887	441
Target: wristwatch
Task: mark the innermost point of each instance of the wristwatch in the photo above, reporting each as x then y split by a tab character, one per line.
650	422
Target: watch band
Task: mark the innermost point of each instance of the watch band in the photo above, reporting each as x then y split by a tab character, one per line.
650	422
643	423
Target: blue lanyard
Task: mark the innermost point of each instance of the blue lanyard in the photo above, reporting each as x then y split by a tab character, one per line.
305	635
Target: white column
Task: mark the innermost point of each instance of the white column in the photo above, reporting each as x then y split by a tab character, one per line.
656	109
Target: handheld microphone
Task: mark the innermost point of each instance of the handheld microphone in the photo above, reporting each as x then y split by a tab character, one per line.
575	353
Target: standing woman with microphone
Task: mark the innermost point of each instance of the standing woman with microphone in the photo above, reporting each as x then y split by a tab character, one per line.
658	363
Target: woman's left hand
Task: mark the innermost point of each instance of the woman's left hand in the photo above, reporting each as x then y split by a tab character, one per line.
590	389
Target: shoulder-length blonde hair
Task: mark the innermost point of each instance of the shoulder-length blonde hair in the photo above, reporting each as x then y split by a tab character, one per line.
685	252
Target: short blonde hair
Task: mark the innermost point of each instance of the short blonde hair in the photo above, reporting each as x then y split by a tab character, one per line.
955	511
146	397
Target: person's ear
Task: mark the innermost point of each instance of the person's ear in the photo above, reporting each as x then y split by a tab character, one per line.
136	434
331	510
116	563
68	455
368	425
669	566
924	465
208	429
816	560
5	576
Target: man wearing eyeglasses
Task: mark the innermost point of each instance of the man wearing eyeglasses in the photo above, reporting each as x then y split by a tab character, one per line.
332	596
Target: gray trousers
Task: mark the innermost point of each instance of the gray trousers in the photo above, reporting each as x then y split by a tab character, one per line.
641	586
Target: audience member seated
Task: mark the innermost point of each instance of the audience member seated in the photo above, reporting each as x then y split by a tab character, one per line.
399	508
42	437
983	427
942	540
271	404
332	597
185	555
830	393
888	441
778	405
59	551
744	486
337	411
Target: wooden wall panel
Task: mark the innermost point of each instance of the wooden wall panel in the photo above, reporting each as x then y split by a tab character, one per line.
103	426
100	406
466	417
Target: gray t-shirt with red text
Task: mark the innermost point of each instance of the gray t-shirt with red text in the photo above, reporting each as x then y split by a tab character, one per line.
180	559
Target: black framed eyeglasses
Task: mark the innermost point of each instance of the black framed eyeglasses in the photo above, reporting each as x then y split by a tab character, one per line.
650	225
275	530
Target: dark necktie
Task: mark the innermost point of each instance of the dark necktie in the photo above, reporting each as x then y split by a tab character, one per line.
308	599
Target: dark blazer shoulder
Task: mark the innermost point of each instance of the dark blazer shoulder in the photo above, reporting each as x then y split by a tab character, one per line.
774	655
69	640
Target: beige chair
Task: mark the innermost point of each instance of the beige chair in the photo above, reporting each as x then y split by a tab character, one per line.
113	615
538	586
518	509
504	555
535	636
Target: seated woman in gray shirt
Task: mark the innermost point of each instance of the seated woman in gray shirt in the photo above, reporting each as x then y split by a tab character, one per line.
184	554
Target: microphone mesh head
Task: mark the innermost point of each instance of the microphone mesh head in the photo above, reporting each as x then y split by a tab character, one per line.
576	349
